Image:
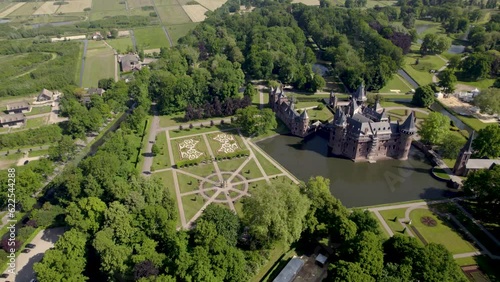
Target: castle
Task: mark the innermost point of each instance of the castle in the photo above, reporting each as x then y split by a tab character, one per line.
358	132
298	123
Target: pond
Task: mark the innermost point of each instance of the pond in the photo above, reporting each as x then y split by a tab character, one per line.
357	184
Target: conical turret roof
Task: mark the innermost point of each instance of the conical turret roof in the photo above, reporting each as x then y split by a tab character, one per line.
408	127
304	114
468	145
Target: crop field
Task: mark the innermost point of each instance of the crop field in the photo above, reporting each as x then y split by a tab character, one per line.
139	3
76	6
180	30
47	8
307	2
26	9
107	5
99	63
212	4
165	2
151	37
173	14
10	9
120	44
195	12
106	14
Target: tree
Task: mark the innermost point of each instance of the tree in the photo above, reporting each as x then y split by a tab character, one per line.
145	269
451	146
434	44
114	33
250	90
86	215
155	150
64	150
447	80
106	83
476	66
275	213
227	223
437	264
66	262
344	271
484	185
365	221
366	249
434	128
487	142
254	121
454	62
423	97
488	101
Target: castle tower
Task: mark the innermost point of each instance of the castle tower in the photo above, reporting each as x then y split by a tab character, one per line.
273	98
463	157
373	148
333	100
336	141
407	129
303	123
360	94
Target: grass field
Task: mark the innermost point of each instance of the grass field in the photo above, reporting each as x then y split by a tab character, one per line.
39	110
390	215
107	5
151	37
26	9
421	72
180	30
200	147
38	153
120	44
163	158
99	63
442	233
268	167
396	83
427	27
36	122
173	15
167	178
323	114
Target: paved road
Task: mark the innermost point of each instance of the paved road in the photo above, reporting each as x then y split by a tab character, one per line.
44	240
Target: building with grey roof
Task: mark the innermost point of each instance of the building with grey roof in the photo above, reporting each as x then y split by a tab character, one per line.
18	108
464	164
12	120
130	62
366	133
290	271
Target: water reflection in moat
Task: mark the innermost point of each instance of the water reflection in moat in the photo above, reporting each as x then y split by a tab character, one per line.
357	184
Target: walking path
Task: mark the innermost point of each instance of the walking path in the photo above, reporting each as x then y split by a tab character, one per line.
148	156
85	43
422	205
407	108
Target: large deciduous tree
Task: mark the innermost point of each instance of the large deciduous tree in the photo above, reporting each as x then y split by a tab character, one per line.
226	222
434	44
451	145
447	80
424	96
488	101
487	142
254	121
476	66
275	213
434	128
485	185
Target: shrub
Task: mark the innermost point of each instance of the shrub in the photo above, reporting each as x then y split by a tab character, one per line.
320	107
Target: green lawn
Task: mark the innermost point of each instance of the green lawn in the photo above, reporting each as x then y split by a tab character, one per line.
192	204
99	63
26	9
439	172
396	83
434	27
323	114
121	44
36	122
442	233
99	15
11	157
187	183
481	84
39	110
200	147
251	170
179	30
173	14
163	158
216	145
38	153
268	167
389	216
275	254
398	112
151	37
230	165
201	170
167	179
421	72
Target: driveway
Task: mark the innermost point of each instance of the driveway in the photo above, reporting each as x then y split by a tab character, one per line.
44	240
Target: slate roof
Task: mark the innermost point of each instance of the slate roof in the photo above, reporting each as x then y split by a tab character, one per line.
98	91
360	94
481	163
290	271
468	145
130	62
304	114
408	126
18	106
46	93
11	118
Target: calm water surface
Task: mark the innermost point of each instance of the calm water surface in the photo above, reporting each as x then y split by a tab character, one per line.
357	184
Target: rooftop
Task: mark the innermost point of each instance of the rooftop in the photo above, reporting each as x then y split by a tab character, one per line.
290	271
17	105
11	118
481	163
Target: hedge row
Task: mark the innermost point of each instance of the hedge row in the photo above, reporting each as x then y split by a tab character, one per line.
243	153
185	163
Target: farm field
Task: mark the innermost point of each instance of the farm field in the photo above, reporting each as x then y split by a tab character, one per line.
9	9
151	37
26	9
195	12
178	31
97	15
172	15
139	3
76	6
47	8
307	2
212	5
120	44
107	5
165	2
99	63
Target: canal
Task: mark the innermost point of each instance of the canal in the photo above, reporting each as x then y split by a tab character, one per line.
357	184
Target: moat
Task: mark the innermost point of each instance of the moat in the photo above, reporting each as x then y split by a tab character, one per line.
357	184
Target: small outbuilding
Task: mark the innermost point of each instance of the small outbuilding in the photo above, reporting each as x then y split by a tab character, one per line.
12	120
130	62
290	271
321	260
18	108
